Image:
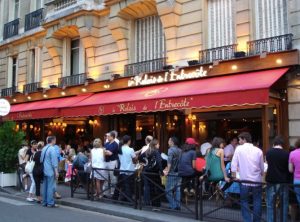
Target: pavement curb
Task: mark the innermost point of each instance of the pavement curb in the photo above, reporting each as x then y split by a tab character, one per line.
130	213
108	209
105	211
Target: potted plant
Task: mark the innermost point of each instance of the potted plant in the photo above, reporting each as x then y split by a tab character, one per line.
10	143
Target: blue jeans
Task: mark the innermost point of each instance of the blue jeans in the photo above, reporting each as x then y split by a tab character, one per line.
48	190
146	190
297	191
257	198
273	190
173	191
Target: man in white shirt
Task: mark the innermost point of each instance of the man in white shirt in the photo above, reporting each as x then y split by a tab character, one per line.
126	179
248	161
148	140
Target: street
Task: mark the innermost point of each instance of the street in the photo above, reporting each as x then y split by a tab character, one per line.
22	211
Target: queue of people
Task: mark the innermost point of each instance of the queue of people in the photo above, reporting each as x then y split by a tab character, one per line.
239	166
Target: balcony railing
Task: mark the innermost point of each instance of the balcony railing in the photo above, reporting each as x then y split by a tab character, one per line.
8	91
217	54
11	29
34	19
61	4
273	44
73	80
144	67
31	87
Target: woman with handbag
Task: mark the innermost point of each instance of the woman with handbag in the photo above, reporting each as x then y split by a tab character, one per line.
38	171
29	168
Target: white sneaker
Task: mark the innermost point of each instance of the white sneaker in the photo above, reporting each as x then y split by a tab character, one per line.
29	199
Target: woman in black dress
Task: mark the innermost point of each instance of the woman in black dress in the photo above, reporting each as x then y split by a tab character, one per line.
151	174
38	171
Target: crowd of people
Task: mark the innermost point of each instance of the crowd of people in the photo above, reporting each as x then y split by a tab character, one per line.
236	167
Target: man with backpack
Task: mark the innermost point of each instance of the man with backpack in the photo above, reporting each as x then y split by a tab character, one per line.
171	171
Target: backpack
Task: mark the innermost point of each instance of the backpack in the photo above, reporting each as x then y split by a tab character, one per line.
152	163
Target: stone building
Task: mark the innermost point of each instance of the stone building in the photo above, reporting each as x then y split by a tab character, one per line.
62	48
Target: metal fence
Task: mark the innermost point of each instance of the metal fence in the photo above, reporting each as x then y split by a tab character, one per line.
197	199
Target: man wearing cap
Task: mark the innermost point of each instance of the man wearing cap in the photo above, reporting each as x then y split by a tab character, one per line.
186	166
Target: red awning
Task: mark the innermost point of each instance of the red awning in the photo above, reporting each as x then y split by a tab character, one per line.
239	89
42	109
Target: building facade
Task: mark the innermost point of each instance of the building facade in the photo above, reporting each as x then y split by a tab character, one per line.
58	49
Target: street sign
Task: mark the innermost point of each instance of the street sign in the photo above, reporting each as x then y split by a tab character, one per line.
4	107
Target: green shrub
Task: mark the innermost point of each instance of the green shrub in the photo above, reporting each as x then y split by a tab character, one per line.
10	143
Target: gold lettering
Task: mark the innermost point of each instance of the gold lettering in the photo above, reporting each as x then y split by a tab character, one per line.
126	107
170	104
167	77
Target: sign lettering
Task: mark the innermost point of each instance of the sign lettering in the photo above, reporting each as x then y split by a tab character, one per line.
27	115
127	107
170	76
170	104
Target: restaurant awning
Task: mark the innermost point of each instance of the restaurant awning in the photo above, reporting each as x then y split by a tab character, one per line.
238	89
42	109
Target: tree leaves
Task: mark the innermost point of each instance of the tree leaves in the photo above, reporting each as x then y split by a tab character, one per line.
10	143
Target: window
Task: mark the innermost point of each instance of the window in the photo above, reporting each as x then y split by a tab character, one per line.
221	31
75	56
14	72
17	7
32	68
271	18
149	39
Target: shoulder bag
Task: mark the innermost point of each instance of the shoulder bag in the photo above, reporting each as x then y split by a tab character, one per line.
30	165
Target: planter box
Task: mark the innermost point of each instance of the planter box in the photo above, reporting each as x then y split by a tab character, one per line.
8	179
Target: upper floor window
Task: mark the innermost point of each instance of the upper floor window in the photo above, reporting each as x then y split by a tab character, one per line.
221	31
14	71
271	18
75	56
16	9
35	65
149	39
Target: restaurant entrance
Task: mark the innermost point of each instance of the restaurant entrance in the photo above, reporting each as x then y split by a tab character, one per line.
202	124
160	125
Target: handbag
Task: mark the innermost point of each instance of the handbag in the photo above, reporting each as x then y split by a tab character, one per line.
88	167
30	165
117	168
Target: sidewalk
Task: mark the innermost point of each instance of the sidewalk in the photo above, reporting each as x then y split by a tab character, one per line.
79	201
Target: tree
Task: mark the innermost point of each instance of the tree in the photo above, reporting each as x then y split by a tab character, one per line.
10	143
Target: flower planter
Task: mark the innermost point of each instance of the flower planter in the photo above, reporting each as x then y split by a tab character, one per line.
8	179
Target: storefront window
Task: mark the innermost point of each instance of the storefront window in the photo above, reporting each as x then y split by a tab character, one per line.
226	124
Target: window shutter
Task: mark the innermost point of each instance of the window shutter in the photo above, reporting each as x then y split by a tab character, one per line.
149	39
221	31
